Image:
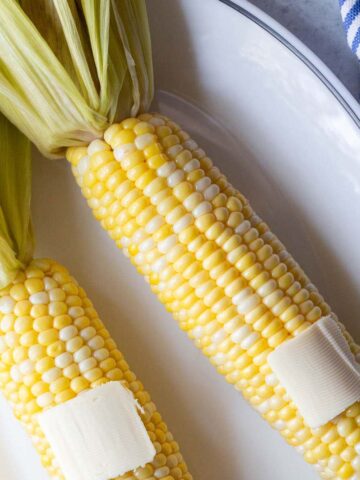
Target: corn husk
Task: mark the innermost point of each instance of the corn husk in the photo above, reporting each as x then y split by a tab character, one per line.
16	235
69	68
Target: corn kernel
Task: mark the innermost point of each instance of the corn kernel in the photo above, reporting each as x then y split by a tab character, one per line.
19	292
47	337
78	384
34	285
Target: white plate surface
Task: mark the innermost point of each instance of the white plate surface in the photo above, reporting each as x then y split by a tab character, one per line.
286	134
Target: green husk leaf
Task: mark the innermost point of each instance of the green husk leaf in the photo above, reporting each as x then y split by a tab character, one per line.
16	234
69	68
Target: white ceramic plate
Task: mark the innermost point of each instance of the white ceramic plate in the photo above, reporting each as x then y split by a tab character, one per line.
287	133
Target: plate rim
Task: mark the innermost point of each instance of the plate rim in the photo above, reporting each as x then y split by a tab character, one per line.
302	52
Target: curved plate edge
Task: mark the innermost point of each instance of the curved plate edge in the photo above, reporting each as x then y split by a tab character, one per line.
248	10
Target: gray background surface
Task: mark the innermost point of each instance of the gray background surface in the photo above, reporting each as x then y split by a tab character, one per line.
318	24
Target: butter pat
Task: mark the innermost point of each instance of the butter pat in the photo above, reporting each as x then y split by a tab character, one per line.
318	371
98	435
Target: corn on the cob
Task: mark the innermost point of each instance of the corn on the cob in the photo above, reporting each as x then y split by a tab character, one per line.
53	346
215	265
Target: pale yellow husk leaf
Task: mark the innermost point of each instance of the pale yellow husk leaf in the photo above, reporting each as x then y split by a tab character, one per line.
69	68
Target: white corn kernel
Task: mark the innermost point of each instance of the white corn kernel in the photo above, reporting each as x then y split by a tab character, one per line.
83	165
143	141
76	312
63	360
190	144
7	304
67	333
39	298
49	283
211	192
156	121
194	164
26	367
183	223
159	265
264	407
123	150
154	224
45	400
88	332
165	245
82	354
15	374
97	146
202	184
242	295
147	245
249	341
174	150
267	288
11	339
243	227
161	472
190	200
248	304
219	359
138	236
175	178
219	336
96	342
167	169
87	364
271	380
51	375
202	209
101	354
240	334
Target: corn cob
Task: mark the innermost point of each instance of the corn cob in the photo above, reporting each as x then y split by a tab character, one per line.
53	346
214	264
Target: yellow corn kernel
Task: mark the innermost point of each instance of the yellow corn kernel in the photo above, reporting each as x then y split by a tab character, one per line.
23	324
71	371
203	248
78	384
114	375
47	337
29	338
22	308
346	471
62	321
59	385
64	396
55	349
44	364
38	350
108	364
39	388
34	285
93	375
57	308
19	292
43	323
